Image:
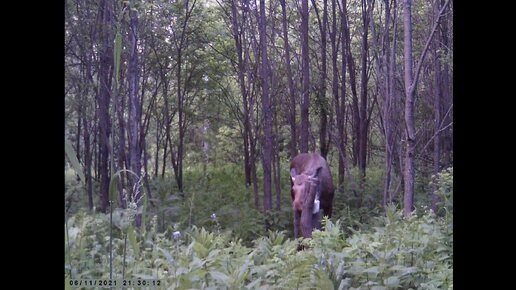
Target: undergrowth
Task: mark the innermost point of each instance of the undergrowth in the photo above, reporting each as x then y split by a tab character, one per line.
201	240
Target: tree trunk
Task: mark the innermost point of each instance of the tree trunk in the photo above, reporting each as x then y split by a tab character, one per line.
305	103
388	107
156	153
275	103
410	128
134	111
447	97
78	134
342	109
321	95
437	114
352	83
168	121
121	148
87	161
181	124
105	74
291	89
267	114
363	118
337	101
241	80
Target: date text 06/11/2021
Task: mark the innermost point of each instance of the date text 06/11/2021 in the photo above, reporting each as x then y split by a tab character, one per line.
113	283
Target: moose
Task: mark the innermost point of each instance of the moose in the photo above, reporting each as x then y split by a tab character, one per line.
312	190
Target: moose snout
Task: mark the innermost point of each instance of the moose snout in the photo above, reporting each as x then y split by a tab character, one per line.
298	204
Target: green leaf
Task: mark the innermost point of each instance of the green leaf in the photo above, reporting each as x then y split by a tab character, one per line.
113	187
131	235
392	281
324	281
223	278
167	255
243	269
201	251
72	156
144	210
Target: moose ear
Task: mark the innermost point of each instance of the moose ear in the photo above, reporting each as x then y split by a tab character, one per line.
293	173
317	172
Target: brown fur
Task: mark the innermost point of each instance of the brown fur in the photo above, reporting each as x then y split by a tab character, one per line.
310	172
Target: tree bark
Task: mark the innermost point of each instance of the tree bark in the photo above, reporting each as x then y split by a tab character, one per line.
237	37
291	88
105	74
437	114
352	83
134	110
267	114
389	53
87	161
363	118
321	94
305	103
342	109
337	100
408	199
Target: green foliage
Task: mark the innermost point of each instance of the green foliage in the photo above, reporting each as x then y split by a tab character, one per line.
400	253
445	190
72	156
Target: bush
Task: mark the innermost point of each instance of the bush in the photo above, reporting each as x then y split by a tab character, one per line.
405	253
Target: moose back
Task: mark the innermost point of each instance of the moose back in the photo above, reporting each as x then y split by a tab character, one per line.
312	190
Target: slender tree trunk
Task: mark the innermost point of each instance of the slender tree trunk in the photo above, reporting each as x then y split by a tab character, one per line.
146	171
121	148
181	44
165	150
352	83
254	177
156	153
447	100
363	118
78	135
409	109
168	121
335	91
438	95
305	103
105	74
321	91
276	169
274	103
267	114
342	108
87	162
134	109
251	72
181	121
291	89
389	61
237	37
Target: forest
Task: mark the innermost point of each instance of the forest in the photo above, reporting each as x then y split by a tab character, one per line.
182	118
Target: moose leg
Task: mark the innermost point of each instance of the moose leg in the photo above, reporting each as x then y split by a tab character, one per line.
316	220
328	210
297	219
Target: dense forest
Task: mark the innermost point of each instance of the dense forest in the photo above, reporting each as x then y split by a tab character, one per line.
182	117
